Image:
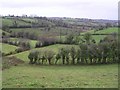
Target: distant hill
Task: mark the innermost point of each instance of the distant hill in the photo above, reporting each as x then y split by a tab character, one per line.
51	22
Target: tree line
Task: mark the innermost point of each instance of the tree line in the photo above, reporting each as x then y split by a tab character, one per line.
88	52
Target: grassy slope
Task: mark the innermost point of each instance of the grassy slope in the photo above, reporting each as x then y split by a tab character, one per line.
7	22
10	21
6	48
53	32
99	76
4	32
60	76
36	31
55	48
97	38
105	31
108	31
32	42
29	19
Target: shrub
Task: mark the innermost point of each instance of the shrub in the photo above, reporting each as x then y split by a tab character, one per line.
49	56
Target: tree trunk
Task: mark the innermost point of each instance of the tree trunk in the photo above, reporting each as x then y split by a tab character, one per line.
86	60
67	60
90	60
104	60
31	61
82	60
63	61
49	60
56	61
99	60
73	61
78	60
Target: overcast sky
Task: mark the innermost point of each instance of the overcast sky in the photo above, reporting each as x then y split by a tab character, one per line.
97	9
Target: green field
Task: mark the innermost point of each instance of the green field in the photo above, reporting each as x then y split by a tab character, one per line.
53	32
10	21
25	75
32	76
105	31
29	19
99	37
4	32
32	42
6	48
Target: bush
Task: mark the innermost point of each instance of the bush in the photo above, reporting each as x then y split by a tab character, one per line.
47	41
18	50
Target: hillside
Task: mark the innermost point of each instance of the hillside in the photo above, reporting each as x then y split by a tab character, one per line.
78	23
100	34
6	48
24	55
59	52
104	31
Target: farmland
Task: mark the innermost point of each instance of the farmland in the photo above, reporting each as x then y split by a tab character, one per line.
6	48
105	31
101	76
59	53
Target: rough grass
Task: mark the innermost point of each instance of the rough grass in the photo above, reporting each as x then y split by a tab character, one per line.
32	76
6	48
11	61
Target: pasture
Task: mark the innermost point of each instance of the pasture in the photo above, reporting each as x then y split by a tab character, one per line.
32	76
32	42
6	48
97	38
10	22
96	69
104	31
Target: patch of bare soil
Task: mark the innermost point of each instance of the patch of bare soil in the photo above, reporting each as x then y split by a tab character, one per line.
7	62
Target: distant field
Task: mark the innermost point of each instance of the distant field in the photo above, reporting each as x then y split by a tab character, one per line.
24	55
29	19
99	37
10	22
6	48
32	42
105	31
53	32
4	32
31	30
33	76
7	22
37	31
